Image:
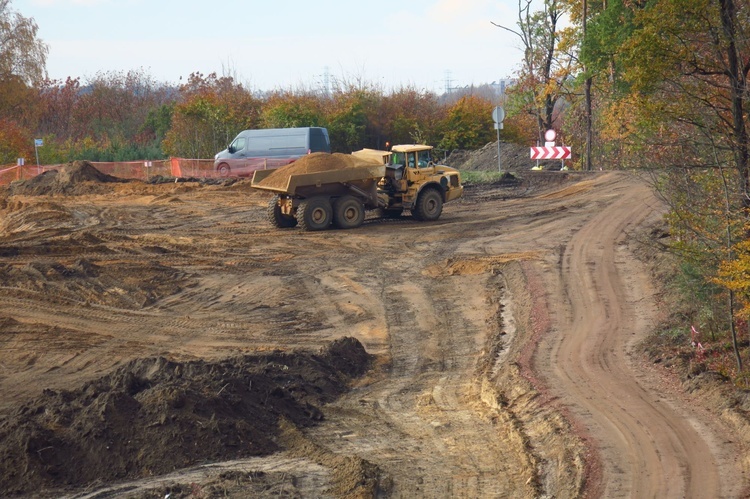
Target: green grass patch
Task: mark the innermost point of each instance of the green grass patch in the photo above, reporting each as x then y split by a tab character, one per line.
486	177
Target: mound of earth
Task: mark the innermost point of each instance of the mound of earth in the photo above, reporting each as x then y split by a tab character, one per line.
314	163
152	416
84	281
79	177
513	157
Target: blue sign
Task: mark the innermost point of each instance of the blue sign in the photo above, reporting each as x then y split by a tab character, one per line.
38	142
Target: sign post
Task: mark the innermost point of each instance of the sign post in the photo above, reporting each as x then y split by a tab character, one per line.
37	144
498	115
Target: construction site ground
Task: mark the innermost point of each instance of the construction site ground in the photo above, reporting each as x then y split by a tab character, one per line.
163	339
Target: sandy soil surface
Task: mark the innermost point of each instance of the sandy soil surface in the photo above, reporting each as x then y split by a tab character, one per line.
499	348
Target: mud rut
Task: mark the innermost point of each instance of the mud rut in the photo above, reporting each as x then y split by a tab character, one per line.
460	403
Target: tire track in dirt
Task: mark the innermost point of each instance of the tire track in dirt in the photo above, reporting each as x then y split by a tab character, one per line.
424	424
647	448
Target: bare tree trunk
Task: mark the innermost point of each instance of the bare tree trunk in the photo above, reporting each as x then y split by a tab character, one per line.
549	102
540	47
738	81
587	97
730	243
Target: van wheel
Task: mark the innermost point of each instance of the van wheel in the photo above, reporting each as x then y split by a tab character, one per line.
429	206
277	218
314	213
224	170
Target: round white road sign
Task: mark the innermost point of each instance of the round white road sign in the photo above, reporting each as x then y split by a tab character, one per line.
498	114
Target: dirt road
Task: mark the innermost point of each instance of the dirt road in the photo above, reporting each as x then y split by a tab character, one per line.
650	446
502	333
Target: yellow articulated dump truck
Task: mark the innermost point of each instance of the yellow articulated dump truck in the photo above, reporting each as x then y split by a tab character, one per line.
322	190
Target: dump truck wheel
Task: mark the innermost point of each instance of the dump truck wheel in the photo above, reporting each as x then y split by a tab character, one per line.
277	218
224	170
314	213
348	212
429	205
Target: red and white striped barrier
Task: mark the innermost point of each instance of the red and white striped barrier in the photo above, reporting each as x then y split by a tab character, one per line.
559	152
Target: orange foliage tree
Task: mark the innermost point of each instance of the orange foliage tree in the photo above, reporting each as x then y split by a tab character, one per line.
468	124
212	110
15	142
351	117
289	109
408	115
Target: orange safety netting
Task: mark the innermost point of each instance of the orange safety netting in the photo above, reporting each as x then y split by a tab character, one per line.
143	170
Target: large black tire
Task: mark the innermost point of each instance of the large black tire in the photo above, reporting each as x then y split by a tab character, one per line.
315	213
278	219
348	212
429	205
224	170
383	213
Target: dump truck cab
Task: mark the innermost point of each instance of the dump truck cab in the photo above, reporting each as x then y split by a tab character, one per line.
411	173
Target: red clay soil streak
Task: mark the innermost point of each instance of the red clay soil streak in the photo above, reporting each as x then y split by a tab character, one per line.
540	325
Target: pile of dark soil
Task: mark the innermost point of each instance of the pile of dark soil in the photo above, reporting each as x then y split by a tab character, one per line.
159	179
79	177
514	157
153	416
314	163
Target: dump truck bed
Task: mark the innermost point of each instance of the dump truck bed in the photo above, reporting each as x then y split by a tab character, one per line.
309	184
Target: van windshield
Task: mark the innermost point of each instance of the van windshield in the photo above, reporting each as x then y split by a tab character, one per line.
237	145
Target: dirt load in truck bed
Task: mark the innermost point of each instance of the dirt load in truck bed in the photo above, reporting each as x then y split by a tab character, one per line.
314	163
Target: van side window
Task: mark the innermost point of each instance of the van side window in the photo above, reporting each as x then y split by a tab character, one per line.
296	141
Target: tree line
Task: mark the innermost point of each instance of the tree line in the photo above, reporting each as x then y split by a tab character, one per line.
127	116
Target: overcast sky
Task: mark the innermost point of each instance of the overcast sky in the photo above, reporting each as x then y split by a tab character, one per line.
281	44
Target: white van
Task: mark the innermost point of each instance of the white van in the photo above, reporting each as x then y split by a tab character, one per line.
269	148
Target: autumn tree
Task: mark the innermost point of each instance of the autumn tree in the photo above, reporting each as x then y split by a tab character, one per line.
411	116
58	101
287	109
14	142
468	124
580	124
351	117
22	67
22	54
544	72
212	110
103	119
